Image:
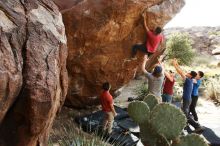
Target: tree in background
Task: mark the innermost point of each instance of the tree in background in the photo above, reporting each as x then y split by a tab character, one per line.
179	46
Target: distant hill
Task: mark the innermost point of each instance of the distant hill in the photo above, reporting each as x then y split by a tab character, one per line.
205	39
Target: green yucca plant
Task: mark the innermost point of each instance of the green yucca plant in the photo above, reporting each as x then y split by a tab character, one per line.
70	136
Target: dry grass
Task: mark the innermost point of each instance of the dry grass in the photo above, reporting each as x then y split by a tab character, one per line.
213	94
66	132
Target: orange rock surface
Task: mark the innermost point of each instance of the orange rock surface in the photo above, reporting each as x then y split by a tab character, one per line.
100	34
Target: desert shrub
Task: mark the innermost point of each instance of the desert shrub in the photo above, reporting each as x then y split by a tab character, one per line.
141	91
218	64
179	46
178	92
212	86
216	33
213	94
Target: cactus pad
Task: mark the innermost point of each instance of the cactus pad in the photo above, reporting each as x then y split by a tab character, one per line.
148	135
162	141
139	111
191	140
167	120
151	101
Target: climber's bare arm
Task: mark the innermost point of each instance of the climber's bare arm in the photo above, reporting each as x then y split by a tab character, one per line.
178	69
144	64
145	22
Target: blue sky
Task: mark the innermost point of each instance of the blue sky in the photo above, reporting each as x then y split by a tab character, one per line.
197	13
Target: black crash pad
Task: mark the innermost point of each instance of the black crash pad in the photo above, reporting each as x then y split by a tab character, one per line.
126	132
122	123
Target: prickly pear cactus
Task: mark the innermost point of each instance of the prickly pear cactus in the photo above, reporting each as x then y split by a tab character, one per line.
191	140
151	101
150	137
167	120
139	111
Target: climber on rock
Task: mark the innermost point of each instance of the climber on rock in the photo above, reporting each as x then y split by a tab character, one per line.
154	40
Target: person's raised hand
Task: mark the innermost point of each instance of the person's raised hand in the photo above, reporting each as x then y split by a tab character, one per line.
145	57
174	61
144	15
160	60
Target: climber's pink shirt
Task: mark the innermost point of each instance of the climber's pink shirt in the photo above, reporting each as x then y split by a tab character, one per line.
153	41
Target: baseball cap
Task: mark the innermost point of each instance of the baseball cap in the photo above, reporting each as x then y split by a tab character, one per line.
158	69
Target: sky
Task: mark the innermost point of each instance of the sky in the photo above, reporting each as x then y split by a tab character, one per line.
197	13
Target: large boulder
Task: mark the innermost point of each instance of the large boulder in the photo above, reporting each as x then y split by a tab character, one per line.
33	75
100	34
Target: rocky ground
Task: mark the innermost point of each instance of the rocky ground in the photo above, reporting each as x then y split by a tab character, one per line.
209	117
128	91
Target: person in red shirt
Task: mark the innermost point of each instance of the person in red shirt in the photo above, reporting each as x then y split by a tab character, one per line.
106	100
154	40
168	87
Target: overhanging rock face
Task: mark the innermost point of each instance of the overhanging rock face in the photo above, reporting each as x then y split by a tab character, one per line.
100	34
33	75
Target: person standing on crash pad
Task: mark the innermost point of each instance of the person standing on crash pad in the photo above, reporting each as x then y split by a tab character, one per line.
155	79
195	94
186	97
106	100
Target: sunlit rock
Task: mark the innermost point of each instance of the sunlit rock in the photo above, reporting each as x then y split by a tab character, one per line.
33	76
100	34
